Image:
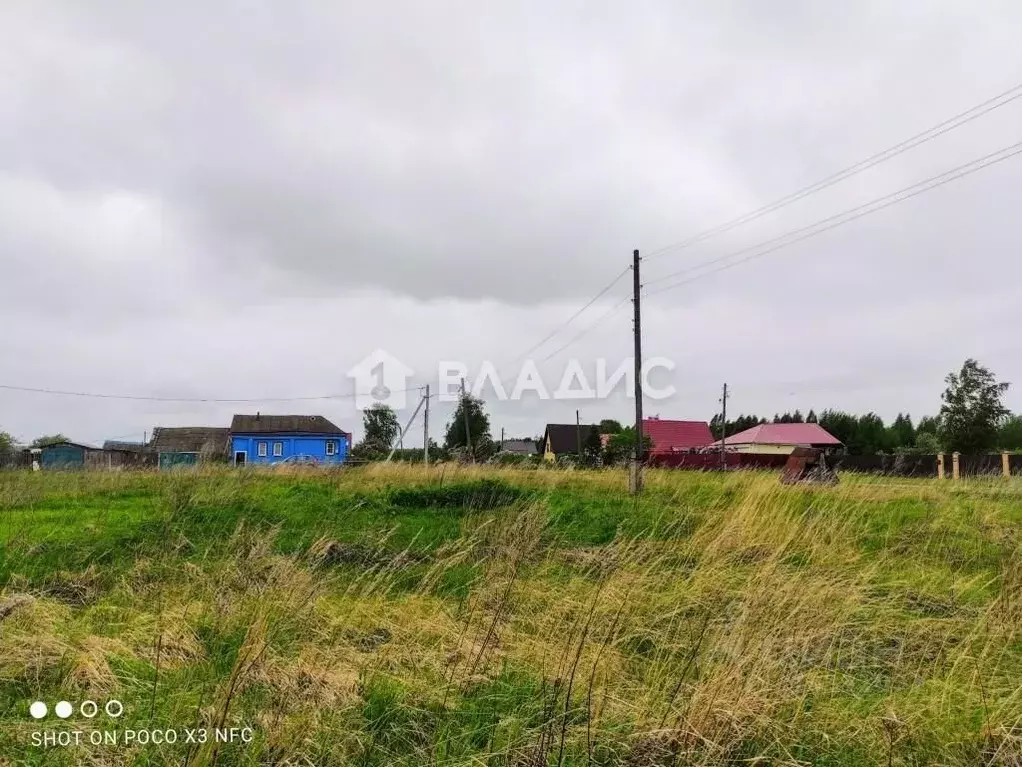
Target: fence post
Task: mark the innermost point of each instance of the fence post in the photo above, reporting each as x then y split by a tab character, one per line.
940	466
1005	463
955	473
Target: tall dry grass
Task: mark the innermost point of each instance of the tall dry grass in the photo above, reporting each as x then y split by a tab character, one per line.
876	622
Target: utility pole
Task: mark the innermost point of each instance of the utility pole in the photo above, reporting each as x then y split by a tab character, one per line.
578	434
468	431
723	429
425	432
637	329
501	437
401	435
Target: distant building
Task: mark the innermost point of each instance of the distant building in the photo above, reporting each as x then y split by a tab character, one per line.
676	436
519	446
62	456
67	455
269	439
176	446
563	439
116	444
780	438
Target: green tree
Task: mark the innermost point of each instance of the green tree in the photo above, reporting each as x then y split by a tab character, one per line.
620	446
48	439
715	426
811	418
928	425
380	428
972	409
8	447
740	424
870	435
744	423
842	425
478	428
380	425
927	444
610	426
592	448
1009	435
901	433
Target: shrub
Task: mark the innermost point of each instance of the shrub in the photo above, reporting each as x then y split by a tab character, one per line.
481	494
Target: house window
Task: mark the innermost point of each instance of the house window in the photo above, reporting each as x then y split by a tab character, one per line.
278	449
331	447
261	450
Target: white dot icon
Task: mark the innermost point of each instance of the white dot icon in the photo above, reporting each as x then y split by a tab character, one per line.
114	706
38	710
63	709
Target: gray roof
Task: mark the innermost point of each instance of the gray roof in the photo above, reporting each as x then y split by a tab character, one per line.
284	424
191	439
524	446
116	444
68	443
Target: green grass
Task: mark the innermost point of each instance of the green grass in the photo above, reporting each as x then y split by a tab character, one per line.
471	616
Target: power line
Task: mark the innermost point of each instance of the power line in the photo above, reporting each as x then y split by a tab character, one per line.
144	398
585	331
839	219
573	317
507	379
940	129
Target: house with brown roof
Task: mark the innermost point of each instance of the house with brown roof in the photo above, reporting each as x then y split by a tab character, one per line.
780	438
560	439
177	446
270	439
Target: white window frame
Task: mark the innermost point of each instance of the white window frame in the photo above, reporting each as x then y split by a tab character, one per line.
261	449
331	447
278	449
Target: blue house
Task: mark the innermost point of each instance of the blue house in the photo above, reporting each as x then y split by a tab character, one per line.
269	439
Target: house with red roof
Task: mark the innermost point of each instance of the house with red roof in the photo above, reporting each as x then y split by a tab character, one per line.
676	436
780	438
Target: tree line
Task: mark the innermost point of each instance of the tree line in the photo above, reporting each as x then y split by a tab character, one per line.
381	430
972	420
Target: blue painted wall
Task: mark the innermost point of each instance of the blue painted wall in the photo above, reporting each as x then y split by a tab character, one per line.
62	456
170	461
312	446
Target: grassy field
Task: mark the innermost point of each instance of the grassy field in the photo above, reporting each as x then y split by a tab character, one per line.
459	616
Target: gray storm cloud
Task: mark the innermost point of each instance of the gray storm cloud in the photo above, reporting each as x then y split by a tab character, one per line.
268	182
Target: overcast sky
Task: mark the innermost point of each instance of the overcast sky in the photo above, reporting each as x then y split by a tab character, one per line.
244	199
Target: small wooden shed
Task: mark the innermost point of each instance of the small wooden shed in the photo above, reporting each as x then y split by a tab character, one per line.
186	446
